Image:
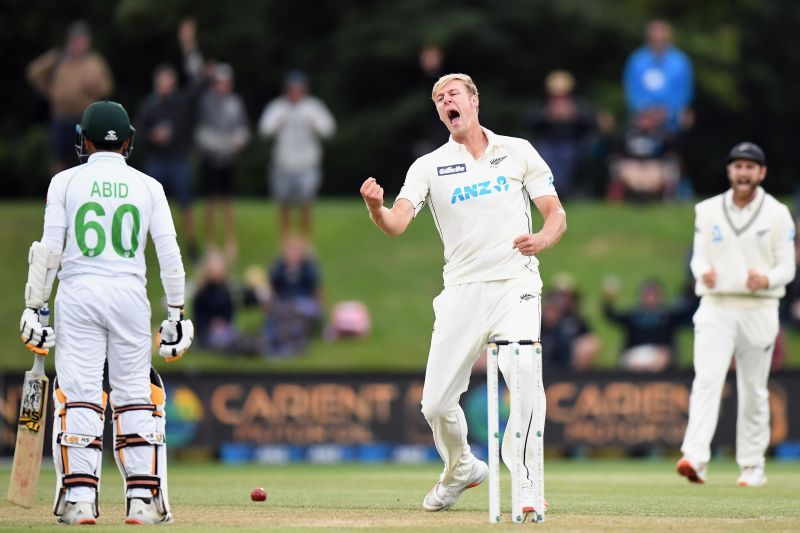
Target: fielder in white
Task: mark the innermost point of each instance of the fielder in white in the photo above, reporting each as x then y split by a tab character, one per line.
96	223
478	186
743	258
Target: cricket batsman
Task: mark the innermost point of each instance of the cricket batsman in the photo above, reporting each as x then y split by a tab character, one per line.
479	186
96	222
743	258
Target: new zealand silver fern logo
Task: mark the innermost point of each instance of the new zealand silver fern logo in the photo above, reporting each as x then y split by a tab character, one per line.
494	162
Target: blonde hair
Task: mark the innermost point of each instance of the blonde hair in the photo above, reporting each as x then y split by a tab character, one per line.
559	82
466	79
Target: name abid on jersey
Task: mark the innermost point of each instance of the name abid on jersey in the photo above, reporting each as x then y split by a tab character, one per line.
107	189
107	209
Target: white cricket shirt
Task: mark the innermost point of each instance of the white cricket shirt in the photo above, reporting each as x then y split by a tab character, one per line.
732	240
480	206
106	209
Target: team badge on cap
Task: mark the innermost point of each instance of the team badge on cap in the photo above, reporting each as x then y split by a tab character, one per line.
747	150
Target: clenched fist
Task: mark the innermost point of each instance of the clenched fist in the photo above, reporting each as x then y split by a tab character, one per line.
372	194
709	278
530	243
37	337
756	281
175	335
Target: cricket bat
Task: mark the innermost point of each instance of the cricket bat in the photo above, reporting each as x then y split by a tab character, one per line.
30	431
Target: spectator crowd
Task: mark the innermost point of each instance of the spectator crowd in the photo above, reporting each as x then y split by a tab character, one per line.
193	127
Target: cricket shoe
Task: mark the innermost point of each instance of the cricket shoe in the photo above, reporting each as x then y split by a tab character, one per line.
752	476
528	506
694	473
442	496
78	514
143	511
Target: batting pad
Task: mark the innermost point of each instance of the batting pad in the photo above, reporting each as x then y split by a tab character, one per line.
77	450
140	447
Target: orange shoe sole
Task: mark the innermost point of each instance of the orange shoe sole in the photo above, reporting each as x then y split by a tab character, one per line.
86	522
685	468
134	522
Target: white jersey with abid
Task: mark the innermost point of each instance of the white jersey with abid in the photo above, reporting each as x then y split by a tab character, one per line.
480	206
107	209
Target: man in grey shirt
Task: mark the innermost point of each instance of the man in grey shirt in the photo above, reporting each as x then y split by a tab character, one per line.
221	134
298	121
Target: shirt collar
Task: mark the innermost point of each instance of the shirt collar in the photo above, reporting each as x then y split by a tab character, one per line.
107	155
728	199
490	136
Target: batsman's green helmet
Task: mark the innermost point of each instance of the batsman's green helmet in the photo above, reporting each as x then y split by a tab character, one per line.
107	125
106	122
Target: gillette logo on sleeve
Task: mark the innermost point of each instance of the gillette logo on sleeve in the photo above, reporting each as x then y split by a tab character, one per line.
451	169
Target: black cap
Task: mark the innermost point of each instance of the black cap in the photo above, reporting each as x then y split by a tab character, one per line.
748	150
106	122
295	77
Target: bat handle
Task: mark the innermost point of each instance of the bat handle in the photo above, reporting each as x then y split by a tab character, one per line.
44	316
38	361
38	365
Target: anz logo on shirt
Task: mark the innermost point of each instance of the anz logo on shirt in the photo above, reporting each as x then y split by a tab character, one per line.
466	192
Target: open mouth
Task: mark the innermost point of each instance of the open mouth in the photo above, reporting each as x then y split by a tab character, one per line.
453	116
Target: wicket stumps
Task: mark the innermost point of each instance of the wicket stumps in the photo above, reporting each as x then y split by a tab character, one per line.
516	350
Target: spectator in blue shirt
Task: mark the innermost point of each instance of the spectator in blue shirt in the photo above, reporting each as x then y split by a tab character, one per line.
296	308
659	76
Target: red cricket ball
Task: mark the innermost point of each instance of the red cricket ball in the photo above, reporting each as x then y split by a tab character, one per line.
258	495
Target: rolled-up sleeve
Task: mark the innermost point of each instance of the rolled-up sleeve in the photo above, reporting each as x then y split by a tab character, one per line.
416	187
538	179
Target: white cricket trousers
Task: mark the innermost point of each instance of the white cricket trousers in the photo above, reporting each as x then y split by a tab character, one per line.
467	316
99	318
722	331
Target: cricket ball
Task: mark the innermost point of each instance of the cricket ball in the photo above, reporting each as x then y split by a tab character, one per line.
258	495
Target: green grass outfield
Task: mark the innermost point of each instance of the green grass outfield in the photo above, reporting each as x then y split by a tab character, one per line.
596	495
396	278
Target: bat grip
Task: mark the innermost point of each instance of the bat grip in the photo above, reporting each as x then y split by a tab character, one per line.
38	365
38	361
44	316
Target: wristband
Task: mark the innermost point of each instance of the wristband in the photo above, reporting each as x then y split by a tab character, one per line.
174	313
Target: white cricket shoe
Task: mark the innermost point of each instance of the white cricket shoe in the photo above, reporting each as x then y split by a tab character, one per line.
442	497
695	473
143	511
528	506
78	514
752	476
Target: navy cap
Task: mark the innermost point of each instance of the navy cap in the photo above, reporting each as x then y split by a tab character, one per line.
748	150
295	77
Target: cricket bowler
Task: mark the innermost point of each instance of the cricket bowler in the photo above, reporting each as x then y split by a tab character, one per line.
96	222
478	186
743	258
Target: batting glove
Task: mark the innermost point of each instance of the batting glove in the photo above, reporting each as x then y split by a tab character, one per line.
37	338
175	335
